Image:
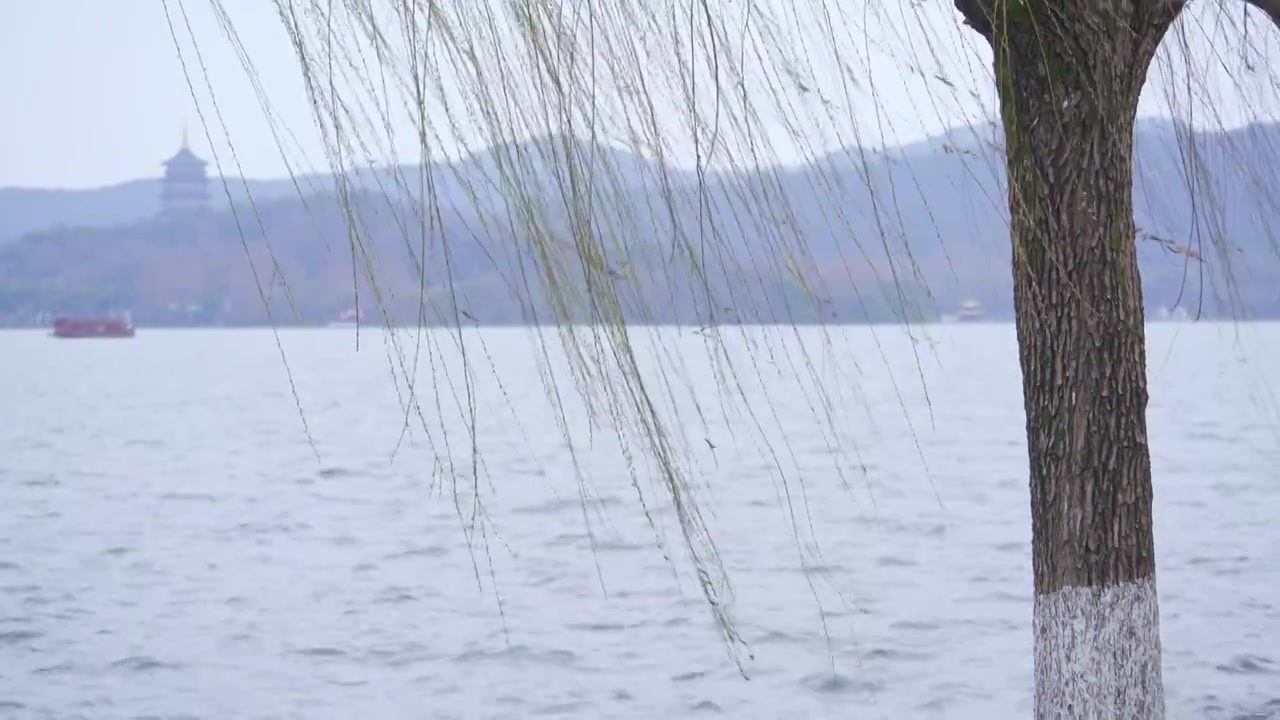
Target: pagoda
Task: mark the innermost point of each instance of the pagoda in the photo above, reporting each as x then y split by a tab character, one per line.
185	187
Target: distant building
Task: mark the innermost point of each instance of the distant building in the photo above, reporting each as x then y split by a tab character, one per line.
185	187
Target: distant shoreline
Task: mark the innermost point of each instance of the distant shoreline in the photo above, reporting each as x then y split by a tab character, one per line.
680	326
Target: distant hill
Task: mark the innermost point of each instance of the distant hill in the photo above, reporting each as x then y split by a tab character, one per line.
24	211
855	236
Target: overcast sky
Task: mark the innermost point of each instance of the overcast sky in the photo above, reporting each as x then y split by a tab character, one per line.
95	92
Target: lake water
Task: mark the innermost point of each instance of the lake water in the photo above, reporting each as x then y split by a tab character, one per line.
174	544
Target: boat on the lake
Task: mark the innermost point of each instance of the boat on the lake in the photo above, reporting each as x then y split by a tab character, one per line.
77	327
970	311
348	319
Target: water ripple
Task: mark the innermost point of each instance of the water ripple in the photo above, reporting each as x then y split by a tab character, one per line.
179	549
1250	665
142	664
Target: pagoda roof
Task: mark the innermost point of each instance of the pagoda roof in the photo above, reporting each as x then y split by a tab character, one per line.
184	156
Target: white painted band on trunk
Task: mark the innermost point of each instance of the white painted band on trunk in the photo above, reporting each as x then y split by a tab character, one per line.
1098	653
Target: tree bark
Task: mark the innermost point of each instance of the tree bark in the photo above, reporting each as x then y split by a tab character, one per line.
1069	75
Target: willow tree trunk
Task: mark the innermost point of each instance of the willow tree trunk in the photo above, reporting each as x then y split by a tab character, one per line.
1069	74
